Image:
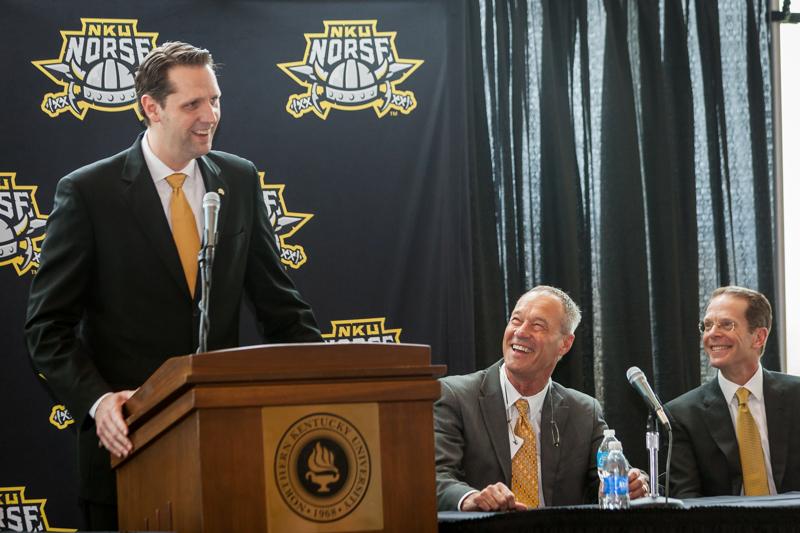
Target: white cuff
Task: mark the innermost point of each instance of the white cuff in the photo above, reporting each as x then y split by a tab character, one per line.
93	410
464	497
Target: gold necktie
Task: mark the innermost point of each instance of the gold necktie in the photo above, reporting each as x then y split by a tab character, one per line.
525	464
754	472
184	229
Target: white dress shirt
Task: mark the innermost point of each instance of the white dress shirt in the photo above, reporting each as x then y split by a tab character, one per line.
535	403
757	408
193	187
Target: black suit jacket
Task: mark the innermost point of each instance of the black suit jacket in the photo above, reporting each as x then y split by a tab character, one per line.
705	454
472	448
110	302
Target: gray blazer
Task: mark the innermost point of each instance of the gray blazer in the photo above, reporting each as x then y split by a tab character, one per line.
705	452
472	448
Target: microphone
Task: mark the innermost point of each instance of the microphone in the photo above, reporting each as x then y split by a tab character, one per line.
211	203
639	382
206	261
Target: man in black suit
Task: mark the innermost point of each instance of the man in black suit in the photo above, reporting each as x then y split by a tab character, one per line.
478	428
115	293
714	422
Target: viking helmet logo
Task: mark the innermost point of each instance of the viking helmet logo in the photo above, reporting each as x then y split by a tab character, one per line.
22	227
351	66
96	67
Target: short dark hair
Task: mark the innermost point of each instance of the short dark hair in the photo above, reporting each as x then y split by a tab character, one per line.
151	76
759	311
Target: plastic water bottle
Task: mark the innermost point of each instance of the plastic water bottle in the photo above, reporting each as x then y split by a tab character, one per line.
614	479
602	453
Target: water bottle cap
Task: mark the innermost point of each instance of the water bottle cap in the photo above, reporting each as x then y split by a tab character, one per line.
608	433
615	445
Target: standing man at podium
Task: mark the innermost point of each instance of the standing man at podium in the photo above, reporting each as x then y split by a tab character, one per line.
116	293
510	438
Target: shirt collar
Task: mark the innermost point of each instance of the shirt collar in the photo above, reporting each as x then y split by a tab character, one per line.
755	385
511	394
158	169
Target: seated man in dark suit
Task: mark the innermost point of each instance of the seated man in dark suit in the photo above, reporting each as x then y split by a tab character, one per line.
510	425
736	434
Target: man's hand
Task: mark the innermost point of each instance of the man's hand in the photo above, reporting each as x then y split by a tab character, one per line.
111	427
638	483
495	497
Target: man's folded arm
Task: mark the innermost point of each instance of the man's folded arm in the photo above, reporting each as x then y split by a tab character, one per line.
282	314
598	427
684	479
449	435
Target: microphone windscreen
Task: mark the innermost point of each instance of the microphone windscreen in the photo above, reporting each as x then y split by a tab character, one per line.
211	199
633	373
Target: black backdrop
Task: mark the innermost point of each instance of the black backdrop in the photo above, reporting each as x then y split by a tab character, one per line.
386	247
617	149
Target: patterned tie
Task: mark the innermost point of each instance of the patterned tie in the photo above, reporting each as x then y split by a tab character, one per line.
754	472
184	229
524	465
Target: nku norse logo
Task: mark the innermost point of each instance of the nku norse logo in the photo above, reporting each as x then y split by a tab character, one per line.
19	513
362	330
284	223
351	66
96	67
22	227
60	417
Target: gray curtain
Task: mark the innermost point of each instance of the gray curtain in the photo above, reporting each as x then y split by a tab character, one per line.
629	158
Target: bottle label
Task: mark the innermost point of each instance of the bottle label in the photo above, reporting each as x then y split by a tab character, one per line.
601	459
615	485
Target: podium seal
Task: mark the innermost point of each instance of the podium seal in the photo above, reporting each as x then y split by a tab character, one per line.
322	467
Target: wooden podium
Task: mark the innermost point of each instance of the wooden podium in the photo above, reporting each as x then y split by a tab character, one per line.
284	438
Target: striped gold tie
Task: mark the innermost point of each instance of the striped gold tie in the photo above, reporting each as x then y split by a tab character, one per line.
754	471
525	464
184	229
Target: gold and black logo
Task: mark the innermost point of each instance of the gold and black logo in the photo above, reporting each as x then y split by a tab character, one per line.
22	226
18	513
351	66
322	467
96	67
362	330
285	224
60	417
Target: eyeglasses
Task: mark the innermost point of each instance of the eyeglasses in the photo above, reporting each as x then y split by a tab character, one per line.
724	325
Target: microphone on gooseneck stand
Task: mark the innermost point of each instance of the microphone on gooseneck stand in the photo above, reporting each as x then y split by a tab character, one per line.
211	204
639	382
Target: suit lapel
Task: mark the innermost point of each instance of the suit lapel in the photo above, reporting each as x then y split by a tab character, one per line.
777	427
141	195
717	418
554	409
214	182
495	418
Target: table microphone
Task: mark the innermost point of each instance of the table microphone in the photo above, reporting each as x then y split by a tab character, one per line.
639	382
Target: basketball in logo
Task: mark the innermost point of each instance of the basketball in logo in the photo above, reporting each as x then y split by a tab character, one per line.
109	82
